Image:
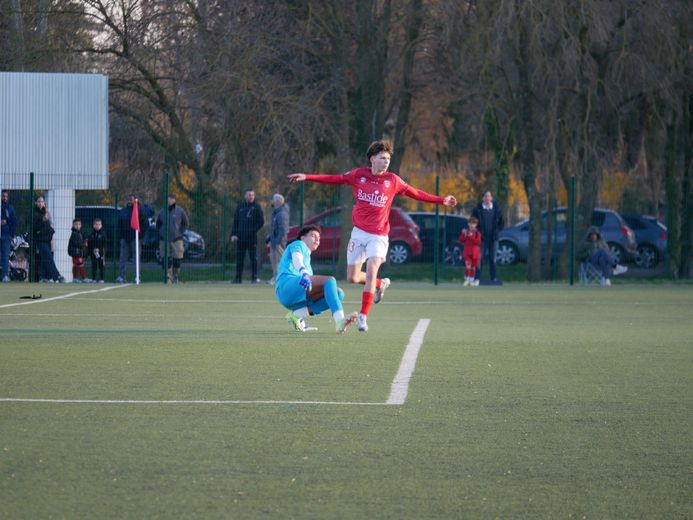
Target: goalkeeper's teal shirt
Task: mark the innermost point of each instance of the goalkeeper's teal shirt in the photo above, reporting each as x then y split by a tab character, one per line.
287	289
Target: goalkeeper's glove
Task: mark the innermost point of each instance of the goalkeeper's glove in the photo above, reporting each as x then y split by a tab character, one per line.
305	282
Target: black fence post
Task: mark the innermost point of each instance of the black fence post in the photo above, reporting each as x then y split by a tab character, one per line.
33	256
224	234
571	234
163	244
436	237
114	239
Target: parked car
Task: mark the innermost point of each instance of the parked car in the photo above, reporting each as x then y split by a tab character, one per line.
513	242
193	243
651	239
450	227
404	235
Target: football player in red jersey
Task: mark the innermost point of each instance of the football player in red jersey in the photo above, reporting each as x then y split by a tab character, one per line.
374	189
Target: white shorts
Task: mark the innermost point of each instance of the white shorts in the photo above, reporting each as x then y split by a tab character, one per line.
364	245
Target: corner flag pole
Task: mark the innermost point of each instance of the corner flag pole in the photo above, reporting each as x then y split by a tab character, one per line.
135	224
137	257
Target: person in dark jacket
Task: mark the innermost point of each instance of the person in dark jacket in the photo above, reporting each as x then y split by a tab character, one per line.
8	228
126	237
43	236
75	249
278	233
177	224
490	219
595	251
248	220
97	250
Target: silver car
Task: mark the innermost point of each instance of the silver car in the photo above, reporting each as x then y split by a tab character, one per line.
513	242
651	237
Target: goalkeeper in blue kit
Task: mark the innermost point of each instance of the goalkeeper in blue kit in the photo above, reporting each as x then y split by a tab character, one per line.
304	293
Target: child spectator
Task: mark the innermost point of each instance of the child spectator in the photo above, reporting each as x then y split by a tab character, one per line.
97	250
75	248
470	238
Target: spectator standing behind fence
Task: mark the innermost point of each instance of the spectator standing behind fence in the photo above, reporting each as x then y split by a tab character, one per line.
97	250
75	249
8	228
177	224
43	237
490	219
278	233
470	238
126	235
248	220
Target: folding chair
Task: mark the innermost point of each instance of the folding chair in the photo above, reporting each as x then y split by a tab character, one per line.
589	274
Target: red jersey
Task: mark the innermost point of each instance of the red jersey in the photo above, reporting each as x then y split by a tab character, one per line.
472	244
374	195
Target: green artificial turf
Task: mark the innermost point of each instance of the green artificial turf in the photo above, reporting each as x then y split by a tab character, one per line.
526	402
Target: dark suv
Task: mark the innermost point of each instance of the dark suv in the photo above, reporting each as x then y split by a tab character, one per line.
513	242
449	228
109	218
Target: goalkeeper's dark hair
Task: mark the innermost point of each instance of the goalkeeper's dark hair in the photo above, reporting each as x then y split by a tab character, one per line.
307	229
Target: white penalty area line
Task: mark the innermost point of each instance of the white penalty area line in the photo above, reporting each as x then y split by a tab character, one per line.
63	296
398	390
400	385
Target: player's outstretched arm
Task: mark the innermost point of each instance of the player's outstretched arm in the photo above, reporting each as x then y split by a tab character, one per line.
321	178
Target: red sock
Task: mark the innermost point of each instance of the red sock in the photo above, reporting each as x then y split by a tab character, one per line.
378	281
366	302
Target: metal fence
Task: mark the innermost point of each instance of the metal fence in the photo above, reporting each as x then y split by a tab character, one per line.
210	254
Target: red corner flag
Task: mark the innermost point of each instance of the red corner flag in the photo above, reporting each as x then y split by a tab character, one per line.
135	218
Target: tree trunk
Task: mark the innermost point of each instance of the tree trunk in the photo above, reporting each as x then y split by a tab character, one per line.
673	187
18	26
686	263
405	99
527	163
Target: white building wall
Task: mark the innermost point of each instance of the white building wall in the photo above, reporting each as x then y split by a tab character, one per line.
55	125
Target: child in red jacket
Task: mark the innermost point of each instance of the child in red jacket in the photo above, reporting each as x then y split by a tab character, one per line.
470	238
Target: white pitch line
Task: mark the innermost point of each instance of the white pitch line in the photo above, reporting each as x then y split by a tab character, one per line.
398	390
178	401
62	297
400	385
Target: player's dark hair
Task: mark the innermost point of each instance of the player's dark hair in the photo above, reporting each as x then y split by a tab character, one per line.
307	229
382	145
